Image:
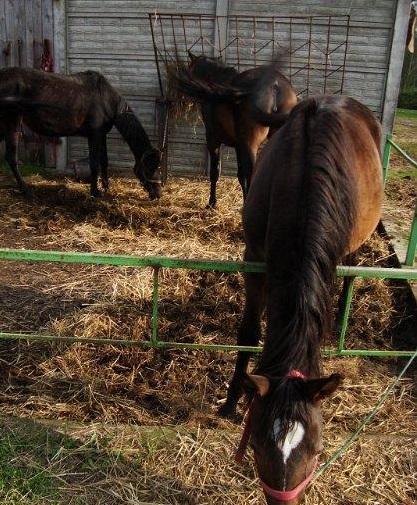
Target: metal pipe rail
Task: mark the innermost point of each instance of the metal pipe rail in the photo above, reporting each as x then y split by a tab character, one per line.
412	241
157	263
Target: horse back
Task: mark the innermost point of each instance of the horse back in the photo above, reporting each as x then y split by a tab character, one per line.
344	137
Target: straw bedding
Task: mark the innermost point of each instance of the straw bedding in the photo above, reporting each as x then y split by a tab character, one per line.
190	462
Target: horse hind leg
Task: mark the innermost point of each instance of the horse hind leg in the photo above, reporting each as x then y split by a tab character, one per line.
11	159
104	163
245	164
94	159
249	335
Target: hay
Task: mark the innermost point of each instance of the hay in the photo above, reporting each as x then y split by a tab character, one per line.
182	389
182	107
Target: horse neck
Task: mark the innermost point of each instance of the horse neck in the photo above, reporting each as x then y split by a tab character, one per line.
133	133
306	242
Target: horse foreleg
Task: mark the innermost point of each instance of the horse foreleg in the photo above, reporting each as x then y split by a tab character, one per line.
94	144
11	158
104	163
249	335
245	165
214	175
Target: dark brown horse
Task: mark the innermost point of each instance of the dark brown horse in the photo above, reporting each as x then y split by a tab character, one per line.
315	198
83	104
237	109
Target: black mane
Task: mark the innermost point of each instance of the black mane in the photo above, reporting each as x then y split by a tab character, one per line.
316	235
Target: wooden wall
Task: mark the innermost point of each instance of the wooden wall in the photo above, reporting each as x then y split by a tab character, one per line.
24	25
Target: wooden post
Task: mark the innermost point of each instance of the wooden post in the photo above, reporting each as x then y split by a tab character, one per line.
220	41
392	88
220	28
60	59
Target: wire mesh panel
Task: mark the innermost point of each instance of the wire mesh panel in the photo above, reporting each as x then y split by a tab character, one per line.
313	49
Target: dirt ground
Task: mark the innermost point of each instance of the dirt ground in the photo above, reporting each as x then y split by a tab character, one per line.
146	420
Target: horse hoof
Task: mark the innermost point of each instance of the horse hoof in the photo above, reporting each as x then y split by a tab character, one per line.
27	194
211	205
227	412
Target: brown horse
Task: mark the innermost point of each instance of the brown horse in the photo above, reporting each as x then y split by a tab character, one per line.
83	104
315	198
237	110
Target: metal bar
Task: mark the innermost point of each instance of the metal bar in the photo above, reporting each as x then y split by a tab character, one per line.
128	261
412	242
345	55
347	302
309	57
201	33
175	40
190	264
192	346
402	152
327	55
185	34
386	157
237	45
155	296
155	50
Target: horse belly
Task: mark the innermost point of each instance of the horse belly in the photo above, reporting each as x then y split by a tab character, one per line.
369	201
224	126
53	125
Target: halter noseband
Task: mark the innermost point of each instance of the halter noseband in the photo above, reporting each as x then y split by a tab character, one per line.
241	450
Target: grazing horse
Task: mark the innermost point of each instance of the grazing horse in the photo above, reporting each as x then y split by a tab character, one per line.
315	198
237	110
83	104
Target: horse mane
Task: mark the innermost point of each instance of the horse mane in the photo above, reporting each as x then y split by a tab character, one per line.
208	79
213	70
306	243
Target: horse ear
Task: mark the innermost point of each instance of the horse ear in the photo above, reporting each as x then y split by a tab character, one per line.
256	384
318	389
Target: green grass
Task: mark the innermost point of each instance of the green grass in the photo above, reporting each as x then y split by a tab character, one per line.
407	114
25	169
23	474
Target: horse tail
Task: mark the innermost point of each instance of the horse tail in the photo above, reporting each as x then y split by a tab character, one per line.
25	104
199	89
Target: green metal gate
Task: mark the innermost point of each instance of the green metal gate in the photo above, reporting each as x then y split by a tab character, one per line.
157	263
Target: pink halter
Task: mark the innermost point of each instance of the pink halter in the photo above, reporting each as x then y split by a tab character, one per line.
241	450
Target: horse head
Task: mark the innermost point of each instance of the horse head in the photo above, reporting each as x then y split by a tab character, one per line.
273	92
148	170
284	426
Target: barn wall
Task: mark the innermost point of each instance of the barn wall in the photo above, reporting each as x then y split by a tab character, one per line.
24	25
114	37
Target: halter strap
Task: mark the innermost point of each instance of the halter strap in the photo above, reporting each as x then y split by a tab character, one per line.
293	493
243	444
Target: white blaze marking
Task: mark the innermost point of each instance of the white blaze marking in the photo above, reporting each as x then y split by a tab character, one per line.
293	439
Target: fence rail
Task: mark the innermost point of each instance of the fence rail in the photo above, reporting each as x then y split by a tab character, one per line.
412	240
158	263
